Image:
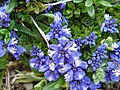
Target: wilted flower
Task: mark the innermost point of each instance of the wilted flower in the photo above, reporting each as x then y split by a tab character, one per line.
109	25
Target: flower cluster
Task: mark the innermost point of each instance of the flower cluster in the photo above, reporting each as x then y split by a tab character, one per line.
90	40
58	30
113	69
109	25
115	55
64	58
12	46
4	17
109	73
67	57
98	55
84	84
44	64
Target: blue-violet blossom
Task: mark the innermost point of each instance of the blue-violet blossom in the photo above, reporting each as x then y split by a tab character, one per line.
98	55
90	40
57	29
4	17
109	25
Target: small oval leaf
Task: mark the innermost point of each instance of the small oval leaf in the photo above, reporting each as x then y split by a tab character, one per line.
88	3
77	1
91	10
105	3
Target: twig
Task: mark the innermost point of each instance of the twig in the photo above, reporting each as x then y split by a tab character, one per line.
40	30
8	79
56	3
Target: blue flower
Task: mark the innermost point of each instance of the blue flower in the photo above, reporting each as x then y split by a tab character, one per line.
40	62
76	71
27	1
35	51
58	17
101	52
62	5
58	30
49	8
79	42
64	53
109	25
98	55
43	64
2	49
13	48
80	63
83	84
4	17
115	55
109	74
64	68
52	73
90	40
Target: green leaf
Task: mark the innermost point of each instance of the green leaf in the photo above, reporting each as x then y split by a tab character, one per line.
11	6
25	30
47	1
68	13
105	3
3	61
77	1
98	76
24	60
54	85
91	10
43	26
42	16
71	5
12	24
109	40
88	3
40	84
7	37
77	12
1	77
4	31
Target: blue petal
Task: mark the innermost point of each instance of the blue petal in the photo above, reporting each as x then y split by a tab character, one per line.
69	76
83	64
79	74
2	52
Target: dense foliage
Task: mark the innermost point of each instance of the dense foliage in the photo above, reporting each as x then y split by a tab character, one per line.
70	44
